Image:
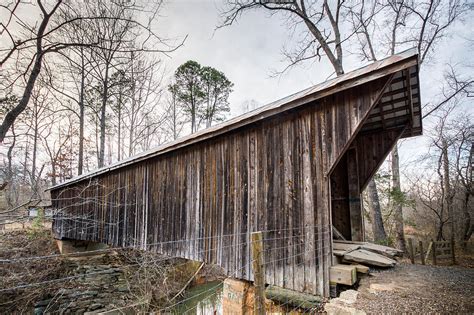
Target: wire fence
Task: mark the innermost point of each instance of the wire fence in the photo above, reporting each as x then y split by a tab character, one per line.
296	254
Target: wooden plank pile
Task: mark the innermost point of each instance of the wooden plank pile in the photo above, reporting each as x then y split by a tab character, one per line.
365	253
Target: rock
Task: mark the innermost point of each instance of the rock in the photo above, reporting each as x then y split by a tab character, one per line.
340	305
348	296
374	287
338	309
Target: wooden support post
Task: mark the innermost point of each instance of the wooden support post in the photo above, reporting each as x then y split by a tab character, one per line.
428	251
422	253
355	210
258	273
433	249
411	250
290	297
453	255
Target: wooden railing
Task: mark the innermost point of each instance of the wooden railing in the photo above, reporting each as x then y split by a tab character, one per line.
435	251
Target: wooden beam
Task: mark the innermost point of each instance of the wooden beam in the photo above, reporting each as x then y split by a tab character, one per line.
293	298
343	274
361	268
369	258
354	196
410	97
337	234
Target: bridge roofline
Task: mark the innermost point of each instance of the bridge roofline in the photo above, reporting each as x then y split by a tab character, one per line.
373	71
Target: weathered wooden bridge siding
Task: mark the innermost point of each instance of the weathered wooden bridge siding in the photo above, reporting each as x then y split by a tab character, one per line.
269	176
202	200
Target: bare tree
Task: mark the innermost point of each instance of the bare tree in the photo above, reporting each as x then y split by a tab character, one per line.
174	118
411	23
466	179
72	78
39	111
113	36
34	42
56	149
321	20
446	190
142	117
36	38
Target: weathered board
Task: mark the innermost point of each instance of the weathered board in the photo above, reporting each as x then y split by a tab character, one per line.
376	248
343	274
369	258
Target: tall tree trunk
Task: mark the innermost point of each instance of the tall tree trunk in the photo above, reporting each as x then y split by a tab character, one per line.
103	117
193	116
447	187
467	229
53	171
193	110
131	135
439	233
374	207
119	127
33	179
25	161
80	162
97	136
397	206
11	201
175	127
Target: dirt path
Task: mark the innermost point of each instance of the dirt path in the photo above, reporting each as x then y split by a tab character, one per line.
417	289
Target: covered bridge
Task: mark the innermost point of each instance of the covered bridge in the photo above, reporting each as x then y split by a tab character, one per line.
293	168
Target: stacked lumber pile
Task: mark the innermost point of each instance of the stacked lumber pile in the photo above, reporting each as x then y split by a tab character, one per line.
365	253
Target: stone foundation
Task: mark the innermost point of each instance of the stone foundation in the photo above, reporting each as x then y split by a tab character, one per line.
237	297
104	289
74	246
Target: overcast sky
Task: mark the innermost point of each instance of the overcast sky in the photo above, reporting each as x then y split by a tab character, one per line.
249	50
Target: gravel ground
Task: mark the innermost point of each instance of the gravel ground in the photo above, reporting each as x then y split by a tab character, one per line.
417	289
